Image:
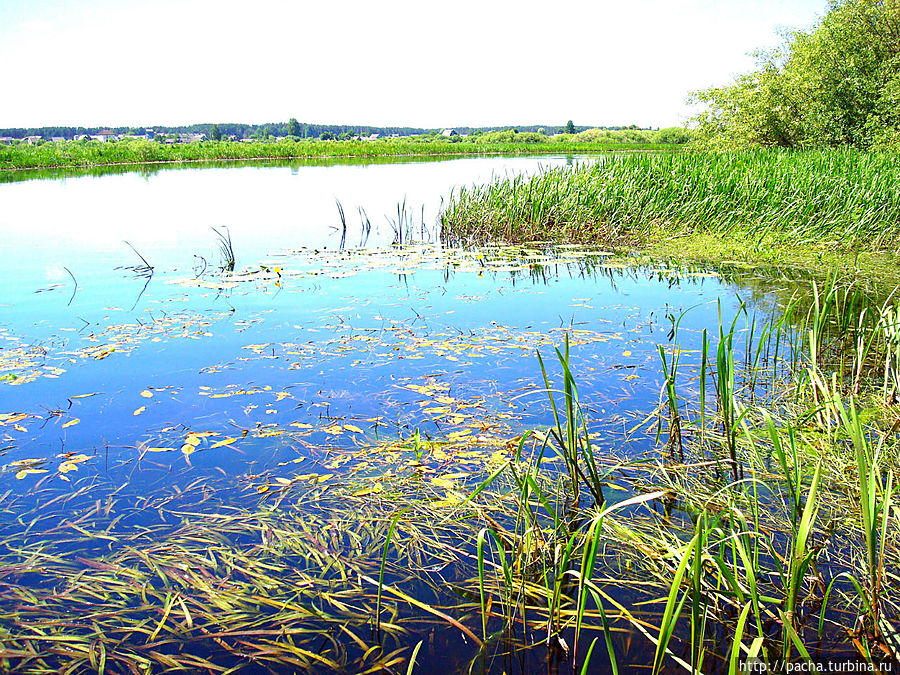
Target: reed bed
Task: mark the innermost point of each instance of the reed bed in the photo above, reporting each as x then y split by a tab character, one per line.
845	198
95	153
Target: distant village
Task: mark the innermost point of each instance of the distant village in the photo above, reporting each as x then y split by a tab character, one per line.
107	135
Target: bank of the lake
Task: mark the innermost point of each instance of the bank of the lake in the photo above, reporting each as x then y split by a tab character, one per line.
95	153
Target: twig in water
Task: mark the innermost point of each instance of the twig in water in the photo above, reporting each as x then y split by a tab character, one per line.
74	290
147	267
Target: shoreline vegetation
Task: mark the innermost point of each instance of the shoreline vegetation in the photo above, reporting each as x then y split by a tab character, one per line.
832	199
76	154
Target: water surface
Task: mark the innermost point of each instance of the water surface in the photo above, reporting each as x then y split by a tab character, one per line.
145	387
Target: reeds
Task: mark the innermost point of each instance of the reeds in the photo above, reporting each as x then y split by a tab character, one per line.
22	156
843	197
226	249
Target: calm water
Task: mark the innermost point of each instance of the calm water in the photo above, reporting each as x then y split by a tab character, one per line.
135	383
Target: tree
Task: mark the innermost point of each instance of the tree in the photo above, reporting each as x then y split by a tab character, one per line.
214	133
836	85
570	127
293	128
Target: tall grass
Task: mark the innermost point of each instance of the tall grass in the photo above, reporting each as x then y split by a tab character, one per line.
840	196
95	153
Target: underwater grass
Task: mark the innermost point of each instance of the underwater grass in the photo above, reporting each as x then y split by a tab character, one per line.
845	198
528	561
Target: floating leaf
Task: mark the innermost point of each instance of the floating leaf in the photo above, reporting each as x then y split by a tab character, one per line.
440	410
24	472
227	441
160	449
374	489
353	428
12	418
139	411
147	393
71	423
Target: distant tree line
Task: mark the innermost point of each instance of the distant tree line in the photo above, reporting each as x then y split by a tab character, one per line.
291	128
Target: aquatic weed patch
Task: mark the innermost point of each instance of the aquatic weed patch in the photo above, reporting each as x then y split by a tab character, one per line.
842	198
361	465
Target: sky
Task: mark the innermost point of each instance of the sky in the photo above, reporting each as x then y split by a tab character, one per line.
394	62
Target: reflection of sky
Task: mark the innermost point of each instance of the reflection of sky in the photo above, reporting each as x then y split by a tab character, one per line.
329	344
317	329
80	222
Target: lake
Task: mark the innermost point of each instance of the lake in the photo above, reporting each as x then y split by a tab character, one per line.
206	461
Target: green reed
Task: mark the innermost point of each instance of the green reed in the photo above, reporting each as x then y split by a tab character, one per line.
138	151
840	196
571	431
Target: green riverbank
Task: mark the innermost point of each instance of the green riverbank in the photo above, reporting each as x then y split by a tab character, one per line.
95	153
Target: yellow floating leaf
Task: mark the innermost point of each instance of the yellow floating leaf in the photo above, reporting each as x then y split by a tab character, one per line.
192	439
71	423
147	393
626	353
375	489
65	467
76	457
443	482
281	395
188	449
439	410
452	499
12	418
139	411
20	428
160	449
335	429
227	441
301	425
85	395
24	472
353	428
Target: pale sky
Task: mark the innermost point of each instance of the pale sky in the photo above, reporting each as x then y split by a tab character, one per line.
394	62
